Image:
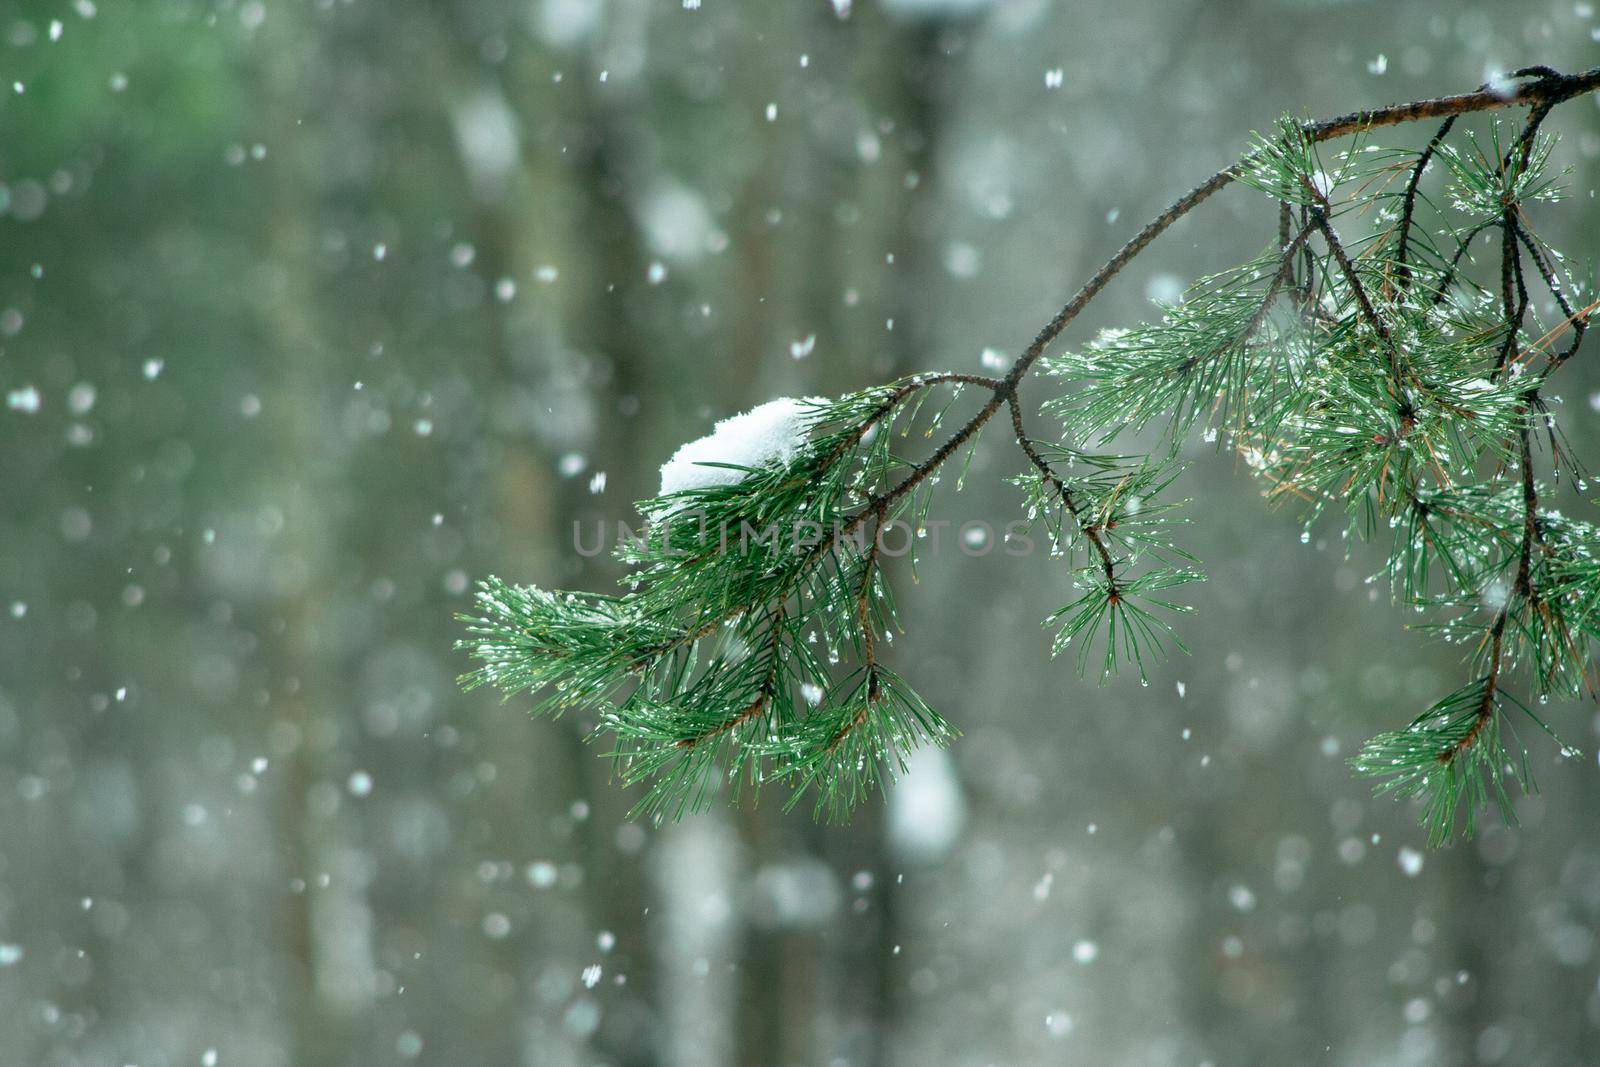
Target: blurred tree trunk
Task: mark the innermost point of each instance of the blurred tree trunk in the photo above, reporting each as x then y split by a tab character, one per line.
331	923
814	994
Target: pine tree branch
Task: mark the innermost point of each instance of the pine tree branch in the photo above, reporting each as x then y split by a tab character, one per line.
759	704
1317	409
1513	294
1544	88
897	396
1522	593
869	654
1408	210
1442	290
1522	589
1319	217
1284	276
1089	530
1547	89
1579	320
1546	272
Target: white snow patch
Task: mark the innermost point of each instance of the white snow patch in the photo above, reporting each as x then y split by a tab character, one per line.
565	23
25	400
1164	289
678	225
927	810
770	433
487	137
961	259
1410	861
1500	83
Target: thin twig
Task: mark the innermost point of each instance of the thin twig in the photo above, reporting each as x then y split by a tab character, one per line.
1368	312
1522	588
1089	530
756	706
1547	86
1402	268
1579	319
1443	289
1542	87
1283	277
869	650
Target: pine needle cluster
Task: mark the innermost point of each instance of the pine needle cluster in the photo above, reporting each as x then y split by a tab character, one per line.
746	646
1381	365
1361	370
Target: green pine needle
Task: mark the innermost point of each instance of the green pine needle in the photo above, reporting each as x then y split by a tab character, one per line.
1366	366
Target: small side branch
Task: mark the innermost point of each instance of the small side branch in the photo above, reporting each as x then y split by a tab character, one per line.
1578	319
1513	290
763	695
1409	207
1090	531
1521	593
1368	312
869	654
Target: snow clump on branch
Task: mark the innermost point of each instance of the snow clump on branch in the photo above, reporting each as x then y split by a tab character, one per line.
768	433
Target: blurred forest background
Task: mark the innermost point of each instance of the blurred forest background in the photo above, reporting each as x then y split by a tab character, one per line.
314	311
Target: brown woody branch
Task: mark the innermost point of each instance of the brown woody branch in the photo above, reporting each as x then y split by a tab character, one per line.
1538	88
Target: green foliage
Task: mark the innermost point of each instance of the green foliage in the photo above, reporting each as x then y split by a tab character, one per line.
1453	758
1368	376
1404	396
1481	189
1197	364
1118	612
856	741
745	648
1117	535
